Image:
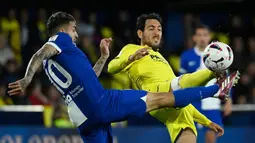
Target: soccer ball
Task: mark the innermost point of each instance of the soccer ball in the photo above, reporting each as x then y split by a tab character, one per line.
218	56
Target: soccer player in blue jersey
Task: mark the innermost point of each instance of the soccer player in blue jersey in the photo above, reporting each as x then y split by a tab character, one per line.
191	61
92	108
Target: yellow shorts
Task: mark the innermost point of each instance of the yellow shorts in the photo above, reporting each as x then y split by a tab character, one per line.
174	119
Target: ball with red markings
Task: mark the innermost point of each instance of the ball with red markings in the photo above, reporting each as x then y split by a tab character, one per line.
218	56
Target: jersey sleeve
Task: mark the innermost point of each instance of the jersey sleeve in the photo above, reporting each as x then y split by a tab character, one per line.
199	117
61	41
121	60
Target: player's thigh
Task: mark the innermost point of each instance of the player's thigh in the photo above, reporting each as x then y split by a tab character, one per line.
125	103
99	134
186	136
161	114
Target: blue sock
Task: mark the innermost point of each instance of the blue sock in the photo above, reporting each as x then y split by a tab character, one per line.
186	96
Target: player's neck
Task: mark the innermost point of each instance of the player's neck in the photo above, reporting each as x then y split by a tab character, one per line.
201	49
141	44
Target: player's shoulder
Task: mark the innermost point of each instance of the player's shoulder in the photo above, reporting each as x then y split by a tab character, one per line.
61	36
131	46
187	52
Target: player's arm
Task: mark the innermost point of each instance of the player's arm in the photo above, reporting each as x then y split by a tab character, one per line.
199	117
98	67
46	52
120	61
105	52
228	104
126	56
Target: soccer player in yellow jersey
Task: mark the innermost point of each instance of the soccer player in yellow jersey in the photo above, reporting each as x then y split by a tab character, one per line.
151	72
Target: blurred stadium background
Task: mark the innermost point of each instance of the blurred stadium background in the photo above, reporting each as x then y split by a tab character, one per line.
40	116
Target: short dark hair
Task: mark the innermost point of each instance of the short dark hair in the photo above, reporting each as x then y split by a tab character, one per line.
58	19
140	22
201	26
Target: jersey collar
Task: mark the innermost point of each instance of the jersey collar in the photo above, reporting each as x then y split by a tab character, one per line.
197	51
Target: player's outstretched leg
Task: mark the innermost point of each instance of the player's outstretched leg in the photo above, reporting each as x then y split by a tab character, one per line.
183	97
118	105
124	103
179	98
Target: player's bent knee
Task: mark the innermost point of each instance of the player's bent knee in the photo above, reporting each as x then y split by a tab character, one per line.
210	136
159	100
186	135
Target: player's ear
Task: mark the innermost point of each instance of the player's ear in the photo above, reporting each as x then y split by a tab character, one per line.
139	33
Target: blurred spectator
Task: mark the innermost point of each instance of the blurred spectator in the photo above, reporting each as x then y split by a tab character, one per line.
24	27
24	31
41	25
251	46
83	27
86	32
251	70
11	71
123	27
240	55
5	50
242	100
11	74
87	46
241	91
236	25
11	28
188	24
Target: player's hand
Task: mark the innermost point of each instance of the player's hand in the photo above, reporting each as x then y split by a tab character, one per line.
228	107
18	87
104	47
218	129
139	54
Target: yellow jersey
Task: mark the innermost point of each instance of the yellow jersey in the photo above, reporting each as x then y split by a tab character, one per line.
153	73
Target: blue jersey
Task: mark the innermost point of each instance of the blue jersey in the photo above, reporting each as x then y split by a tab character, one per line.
71	73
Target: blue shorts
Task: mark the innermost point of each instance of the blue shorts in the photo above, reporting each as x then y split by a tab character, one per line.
214	115
115	105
